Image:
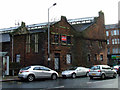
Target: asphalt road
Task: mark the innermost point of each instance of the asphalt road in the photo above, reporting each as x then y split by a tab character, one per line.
77	83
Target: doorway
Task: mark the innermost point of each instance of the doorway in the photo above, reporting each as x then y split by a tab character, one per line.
57	62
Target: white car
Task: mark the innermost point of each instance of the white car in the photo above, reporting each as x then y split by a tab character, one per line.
102	71
33	72
75	71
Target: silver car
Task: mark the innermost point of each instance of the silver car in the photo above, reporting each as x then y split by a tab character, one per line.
33	72
75	71
102	71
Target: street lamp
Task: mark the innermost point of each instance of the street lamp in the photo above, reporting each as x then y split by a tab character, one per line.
49	33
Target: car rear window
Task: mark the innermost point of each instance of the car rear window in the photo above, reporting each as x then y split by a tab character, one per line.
95	67
26	68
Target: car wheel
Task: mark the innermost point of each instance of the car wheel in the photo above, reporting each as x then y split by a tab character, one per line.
54	77
73	75
114	75
103	76
30	78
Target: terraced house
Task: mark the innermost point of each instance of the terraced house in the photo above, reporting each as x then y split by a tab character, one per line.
73	42
113	43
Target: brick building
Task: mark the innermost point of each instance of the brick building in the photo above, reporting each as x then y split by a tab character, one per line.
90	42
74	42
113	44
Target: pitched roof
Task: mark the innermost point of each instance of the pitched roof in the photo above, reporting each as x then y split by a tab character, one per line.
81	27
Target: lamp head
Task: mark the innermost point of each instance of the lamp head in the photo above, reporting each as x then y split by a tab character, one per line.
54	4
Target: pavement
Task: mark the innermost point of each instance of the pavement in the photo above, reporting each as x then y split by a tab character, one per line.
9	78
13	78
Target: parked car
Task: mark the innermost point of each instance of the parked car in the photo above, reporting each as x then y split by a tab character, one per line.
75	71
33	72
116	68
102	71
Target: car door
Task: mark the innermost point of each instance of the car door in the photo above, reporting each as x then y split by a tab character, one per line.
107	71
79	72
46	72
38	72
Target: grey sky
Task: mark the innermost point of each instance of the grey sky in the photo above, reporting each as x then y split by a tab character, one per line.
36	11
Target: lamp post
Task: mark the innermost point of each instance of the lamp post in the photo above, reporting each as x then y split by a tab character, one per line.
49	34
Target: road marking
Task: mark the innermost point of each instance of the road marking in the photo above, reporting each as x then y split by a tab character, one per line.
53	88
95	82
59	87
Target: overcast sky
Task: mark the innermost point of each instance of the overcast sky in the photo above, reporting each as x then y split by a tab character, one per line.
36	11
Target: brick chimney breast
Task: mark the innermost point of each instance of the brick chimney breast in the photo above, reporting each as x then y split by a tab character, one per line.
63	18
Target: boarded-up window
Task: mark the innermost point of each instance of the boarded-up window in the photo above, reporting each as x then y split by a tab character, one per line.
68	57
27	43
36	43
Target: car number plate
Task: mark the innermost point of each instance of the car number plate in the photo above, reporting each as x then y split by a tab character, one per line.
93	74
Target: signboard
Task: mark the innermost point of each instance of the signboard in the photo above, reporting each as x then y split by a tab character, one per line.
115	57
64	38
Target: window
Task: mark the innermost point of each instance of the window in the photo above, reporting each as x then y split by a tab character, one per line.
56	38
118	41
100	44
106	67
101	57
95	57
116	50
108	42
28	43
36	43
115	32
113	41
18	58
112	33
113	50
63	39
91	43
107	33
68	57
36	68
88	58
119	50
68	39
95	67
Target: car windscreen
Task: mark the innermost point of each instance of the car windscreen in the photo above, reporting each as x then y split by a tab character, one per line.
26	68
95	67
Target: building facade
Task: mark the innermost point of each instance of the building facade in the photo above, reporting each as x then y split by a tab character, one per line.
113	44
74	42
90	42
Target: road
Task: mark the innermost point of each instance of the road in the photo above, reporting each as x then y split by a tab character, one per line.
81	82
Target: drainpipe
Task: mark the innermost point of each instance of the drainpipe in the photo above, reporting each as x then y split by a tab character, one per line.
12	54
